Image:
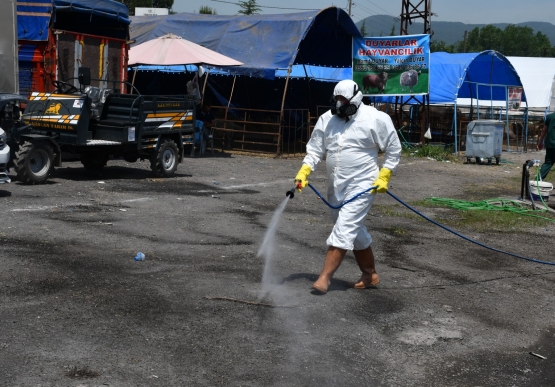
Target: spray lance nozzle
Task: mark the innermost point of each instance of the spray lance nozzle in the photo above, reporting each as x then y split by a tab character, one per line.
291	192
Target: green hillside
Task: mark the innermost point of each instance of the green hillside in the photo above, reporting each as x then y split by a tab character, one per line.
449	32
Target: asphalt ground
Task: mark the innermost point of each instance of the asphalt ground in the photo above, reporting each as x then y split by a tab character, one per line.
76	309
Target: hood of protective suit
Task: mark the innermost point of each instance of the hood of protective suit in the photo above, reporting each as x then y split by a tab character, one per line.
347	89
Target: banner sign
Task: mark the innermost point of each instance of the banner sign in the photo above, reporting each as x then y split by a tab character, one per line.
515	98
393	65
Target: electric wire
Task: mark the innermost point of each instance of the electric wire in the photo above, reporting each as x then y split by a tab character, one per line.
437	224
267	6
387	13
380	23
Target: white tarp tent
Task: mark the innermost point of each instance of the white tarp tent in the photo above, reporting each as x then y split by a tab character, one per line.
538	79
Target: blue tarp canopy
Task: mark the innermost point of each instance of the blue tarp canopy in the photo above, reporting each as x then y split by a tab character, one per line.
33	18
264	43
105	8
481	76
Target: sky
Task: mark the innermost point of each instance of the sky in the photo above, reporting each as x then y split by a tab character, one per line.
464	11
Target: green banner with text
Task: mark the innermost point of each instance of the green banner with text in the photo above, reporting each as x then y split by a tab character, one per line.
392	65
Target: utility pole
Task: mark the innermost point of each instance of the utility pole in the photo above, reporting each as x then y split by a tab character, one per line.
464	41
350	7
419	10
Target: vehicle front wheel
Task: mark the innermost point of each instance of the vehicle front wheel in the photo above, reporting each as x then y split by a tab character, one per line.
164	161
34	162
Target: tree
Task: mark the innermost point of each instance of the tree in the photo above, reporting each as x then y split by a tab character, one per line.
440	46
249	7
512	41
363	28
392	30
206	10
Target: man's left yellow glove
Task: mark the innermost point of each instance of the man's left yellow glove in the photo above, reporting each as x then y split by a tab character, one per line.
383	179
302	176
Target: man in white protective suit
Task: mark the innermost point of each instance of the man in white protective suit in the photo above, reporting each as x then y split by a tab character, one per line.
350	136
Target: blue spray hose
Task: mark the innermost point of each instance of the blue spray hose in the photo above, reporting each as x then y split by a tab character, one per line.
432	221
345	202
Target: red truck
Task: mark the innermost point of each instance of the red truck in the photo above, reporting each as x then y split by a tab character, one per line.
56	37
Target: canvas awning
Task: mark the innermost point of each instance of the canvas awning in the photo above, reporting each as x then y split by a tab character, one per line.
171	49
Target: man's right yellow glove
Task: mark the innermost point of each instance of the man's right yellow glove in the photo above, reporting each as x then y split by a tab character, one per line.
301	178
383	179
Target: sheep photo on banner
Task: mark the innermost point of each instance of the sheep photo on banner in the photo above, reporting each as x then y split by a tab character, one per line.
393	65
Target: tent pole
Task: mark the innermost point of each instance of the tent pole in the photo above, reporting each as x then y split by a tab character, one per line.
282	105
478	100
226	110
456	130
397	113
231	95
507	129
307	81
204	86
133	80
491	100
526	126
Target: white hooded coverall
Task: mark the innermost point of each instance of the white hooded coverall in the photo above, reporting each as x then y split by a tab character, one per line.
351	149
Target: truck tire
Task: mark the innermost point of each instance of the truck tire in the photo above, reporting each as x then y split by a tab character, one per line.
94	161
34	162
164	161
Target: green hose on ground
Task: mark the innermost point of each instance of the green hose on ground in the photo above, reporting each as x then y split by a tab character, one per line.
490	205
404	142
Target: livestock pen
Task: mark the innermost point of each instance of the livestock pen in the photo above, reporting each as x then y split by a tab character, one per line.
281	133
521	129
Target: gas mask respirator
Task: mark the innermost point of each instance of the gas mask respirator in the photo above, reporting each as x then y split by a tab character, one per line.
343	110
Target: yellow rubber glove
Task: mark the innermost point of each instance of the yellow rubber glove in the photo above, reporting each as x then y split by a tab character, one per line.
302	176
383	179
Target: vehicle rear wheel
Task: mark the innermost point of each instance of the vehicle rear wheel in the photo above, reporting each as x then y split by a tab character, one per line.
164	161
34	162
94	161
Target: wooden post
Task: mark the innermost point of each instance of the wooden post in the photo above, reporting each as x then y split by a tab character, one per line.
230	96
281	113
204	86
226	110
133	80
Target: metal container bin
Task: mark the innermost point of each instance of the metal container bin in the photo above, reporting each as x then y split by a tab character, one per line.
484	139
